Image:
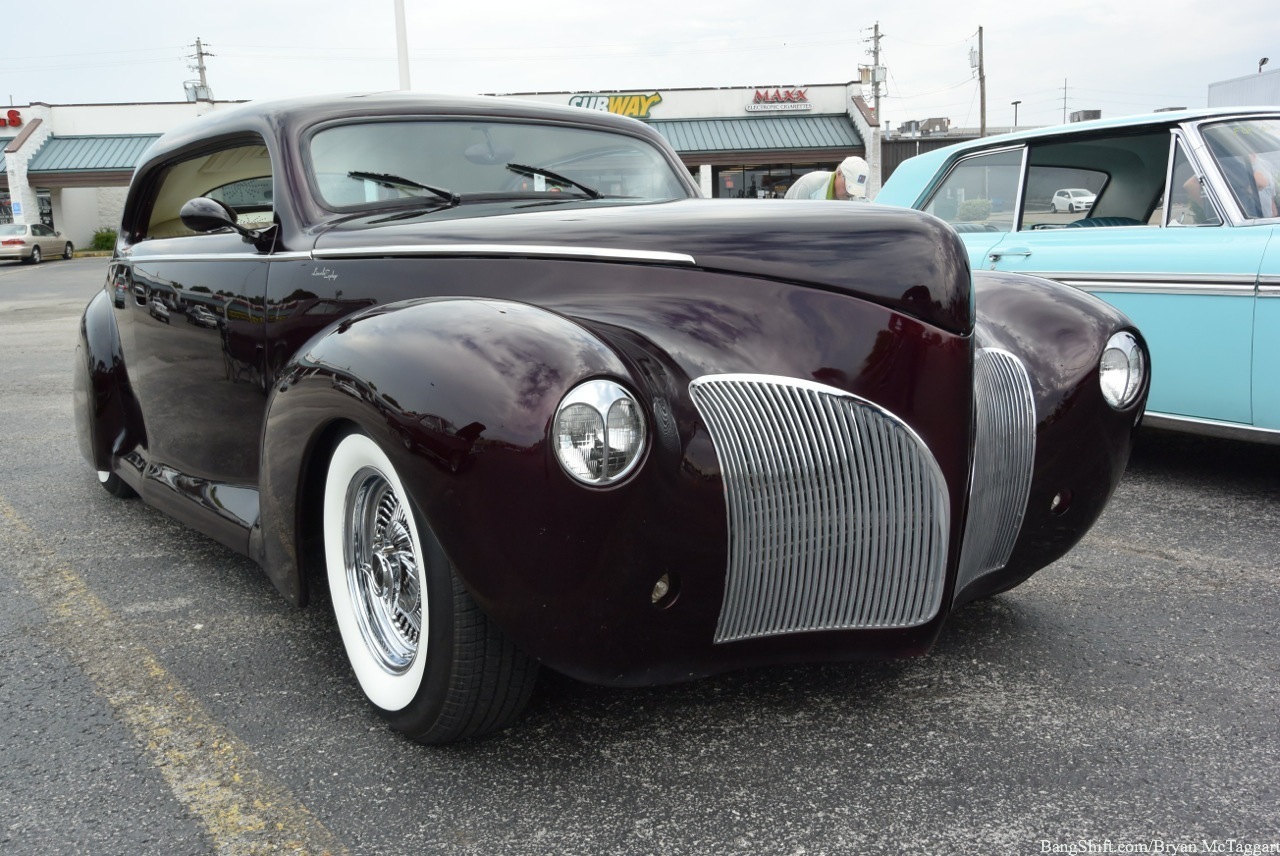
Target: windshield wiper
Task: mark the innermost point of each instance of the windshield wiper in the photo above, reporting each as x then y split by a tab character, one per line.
387	180
522	169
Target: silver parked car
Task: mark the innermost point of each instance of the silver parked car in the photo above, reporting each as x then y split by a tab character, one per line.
32	243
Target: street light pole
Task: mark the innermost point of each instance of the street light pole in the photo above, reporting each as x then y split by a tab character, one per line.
1015	112
402	45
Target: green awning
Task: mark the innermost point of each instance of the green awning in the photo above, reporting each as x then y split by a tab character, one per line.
766	133
91	153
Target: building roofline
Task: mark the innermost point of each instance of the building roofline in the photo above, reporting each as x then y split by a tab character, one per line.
125	103
670	89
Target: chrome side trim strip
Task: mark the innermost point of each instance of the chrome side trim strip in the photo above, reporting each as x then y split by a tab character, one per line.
1003	463
540	250
1214	285
139	259
1269	286
1211	428
838	514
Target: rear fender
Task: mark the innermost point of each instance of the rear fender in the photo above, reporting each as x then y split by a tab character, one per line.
108	420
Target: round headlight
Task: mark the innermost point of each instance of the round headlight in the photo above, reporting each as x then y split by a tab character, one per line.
1122	371
598	432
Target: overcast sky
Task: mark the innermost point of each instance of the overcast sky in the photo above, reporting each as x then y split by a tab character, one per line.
1117	56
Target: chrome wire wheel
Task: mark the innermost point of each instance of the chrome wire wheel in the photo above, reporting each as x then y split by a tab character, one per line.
423	652
374	561
382	571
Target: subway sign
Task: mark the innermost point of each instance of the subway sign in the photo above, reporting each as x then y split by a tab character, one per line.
636	104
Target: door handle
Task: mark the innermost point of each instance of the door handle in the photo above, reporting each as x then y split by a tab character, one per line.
996	255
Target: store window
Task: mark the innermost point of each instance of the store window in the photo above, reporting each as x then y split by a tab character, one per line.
760	181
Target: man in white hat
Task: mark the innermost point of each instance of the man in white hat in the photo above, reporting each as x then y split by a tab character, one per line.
849	181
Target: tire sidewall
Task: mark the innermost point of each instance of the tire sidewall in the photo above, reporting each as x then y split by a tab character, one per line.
408	696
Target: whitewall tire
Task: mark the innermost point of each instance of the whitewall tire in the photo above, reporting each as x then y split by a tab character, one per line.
374	559
425	655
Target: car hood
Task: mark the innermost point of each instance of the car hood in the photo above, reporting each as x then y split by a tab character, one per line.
908	261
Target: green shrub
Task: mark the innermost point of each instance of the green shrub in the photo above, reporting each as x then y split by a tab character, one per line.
946	209
974	210
104	239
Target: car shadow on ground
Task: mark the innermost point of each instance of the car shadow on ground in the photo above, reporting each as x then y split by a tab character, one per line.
1247	468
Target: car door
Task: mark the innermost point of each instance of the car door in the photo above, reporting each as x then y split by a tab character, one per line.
1187	282
42	236
1266	339
201	390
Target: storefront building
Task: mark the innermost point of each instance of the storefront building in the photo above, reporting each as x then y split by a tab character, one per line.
749	142
69	165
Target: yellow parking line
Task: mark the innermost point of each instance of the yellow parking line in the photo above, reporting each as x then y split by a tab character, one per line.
208	769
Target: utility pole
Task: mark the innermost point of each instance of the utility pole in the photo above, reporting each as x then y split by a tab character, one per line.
199	66
877	71
982	88
199	91
1064	101
1015	112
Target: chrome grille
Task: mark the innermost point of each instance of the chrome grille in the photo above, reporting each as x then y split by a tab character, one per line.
838	513
1004	455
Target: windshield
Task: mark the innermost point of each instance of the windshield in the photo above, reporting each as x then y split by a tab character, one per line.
12	229
443	162
1247	152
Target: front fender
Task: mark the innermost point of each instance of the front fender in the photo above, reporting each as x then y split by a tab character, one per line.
1059	334
459	393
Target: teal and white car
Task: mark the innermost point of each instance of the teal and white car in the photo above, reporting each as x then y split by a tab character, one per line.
1183	236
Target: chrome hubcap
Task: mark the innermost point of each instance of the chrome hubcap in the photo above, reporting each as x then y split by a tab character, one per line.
382	571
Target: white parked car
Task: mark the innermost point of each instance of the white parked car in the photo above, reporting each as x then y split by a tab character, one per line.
1072	199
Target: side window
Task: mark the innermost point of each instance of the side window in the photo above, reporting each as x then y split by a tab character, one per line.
980	192
1247	152
239	177
1058	195
1190	200
250	198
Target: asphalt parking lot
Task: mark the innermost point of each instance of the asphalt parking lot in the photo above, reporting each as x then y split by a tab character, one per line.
158	696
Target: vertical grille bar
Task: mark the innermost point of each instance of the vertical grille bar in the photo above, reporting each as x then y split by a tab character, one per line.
1003	462
838	514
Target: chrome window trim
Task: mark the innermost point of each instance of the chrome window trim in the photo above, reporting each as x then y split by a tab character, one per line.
931	192
540	250
1177	139
1203	158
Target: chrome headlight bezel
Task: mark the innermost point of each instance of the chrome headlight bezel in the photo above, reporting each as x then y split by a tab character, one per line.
617	413
1122	370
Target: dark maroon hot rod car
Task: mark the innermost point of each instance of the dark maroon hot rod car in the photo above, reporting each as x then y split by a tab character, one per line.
493	375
